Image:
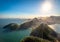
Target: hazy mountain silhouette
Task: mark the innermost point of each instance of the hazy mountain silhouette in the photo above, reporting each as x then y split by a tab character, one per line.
30	24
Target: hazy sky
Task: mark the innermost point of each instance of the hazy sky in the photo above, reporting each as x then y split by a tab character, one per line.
27	8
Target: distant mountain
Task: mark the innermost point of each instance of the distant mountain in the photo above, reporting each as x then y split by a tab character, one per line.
56	19
50	20
30	24
11	26
45	32
33	23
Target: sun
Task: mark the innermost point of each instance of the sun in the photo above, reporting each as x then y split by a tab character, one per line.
46	6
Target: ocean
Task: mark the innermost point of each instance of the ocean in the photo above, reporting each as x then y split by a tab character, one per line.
16	36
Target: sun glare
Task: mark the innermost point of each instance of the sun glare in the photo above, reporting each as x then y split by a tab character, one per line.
46	7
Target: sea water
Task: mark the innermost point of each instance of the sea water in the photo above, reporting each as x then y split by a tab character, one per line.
14	36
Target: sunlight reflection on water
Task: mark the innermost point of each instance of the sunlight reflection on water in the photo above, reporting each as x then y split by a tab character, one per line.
55	27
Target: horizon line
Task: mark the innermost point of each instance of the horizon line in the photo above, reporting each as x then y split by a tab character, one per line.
25	17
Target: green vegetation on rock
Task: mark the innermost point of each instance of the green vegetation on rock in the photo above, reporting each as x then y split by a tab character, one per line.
33	39
12	26
45	32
